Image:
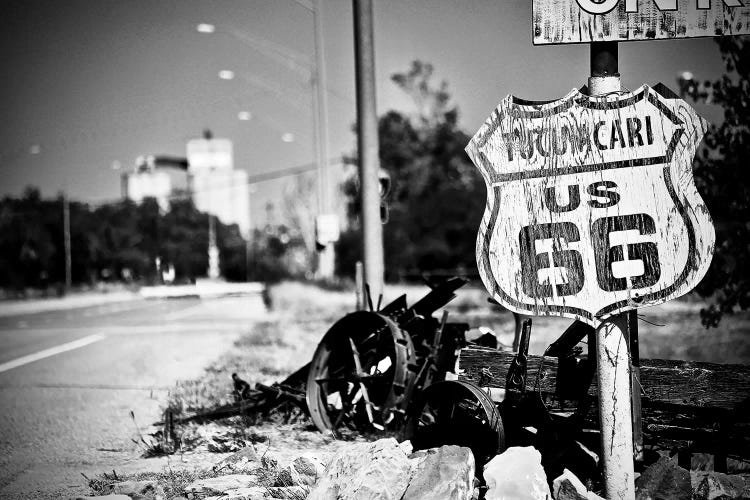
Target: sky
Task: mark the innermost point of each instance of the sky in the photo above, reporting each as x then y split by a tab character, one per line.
88	84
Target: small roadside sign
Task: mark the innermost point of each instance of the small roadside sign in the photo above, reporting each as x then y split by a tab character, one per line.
327	229
592	209
582	21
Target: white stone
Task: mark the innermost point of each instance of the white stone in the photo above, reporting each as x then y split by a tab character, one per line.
406	447
516	474
568	487
221	484
252	493
106	497
446	473
365	471
306	470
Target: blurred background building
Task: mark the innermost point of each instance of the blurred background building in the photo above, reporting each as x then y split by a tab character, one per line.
213	183
216	186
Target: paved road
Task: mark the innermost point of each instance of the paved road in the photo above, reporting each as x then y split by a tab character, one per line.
68	380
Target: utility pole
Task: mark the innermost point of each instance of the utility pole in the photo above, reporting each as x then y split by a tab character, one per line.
66	238
367	145
213	250
326	256
612	349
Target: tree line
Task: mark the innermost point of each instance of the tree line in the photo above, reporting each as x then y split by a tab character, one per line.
129	242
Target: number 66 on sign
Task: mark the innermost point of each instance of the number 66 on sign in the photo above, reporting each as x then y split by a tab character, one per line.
591	205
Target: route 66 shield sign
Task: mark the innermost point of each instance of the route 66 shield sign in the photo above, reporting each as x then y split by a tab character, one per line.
591	205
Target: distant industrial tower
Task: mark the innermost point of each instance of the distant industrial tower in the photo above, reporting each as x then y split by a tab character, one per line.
217	188
147	182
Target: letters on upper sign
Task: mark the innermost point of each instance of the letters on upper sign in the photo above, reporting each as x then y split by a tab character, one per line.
605	6
585	21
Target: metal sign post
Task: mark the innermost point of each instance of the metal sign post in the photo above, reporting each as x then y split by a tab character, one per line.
612	350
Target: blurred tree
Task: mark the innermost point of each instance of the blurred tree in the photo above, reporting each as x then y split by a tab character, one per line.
299	206
117	244
723	179
115	241
186	240
437	196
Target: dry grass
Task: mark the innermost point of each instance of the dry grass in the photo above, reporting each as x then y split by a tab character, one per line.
267	353
175	483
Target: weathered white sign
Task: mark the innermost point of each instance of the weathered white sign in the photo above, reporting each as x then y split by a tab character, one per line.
576	21
591	205
327	228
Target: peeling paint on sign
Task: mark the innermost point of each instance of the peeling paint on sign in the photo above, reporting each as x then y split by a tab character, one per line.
592	209
582	21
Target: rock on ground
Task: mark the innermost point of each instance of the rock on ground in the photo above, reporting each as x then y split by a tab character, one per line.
238	459
715	486
664	480
446	473
138	489
303	471
106	497
516	474
251	493
568	487
262	493
365	471
218	485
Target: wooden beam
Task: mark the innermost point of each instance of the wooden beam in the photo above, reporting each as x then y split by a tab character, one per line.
668	382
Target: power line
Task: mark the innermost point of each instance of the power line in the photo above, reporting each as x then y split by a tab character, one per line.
251	179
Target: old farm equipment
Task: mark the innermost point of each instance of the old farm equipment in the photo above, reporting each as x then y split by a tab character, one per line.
395	369
549	401
400	369
370	364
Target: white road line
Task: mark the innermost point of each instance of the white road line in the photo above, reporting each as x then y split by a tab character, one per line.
46	353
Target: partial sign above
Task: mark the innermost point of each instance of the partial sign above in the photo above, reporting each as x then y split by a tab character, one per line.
591	205
582	21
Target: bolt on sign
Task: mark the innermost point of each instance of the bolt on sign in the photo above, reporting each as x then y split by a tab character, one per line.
576	21
591	205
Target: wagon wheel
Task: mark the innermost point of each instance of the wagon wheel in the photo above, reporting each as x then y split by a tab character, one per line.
360	374
458	413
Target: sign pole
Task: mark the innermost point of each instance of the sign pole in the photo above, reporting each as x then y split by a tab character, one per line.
327	255
612	353
66	237
635	384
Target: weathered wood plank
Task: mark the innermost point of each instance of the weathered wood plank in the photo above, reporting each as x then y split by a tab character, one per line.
665	382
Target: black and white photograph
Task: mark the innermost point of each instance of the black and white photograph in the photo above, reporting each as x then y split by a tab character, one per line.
375	249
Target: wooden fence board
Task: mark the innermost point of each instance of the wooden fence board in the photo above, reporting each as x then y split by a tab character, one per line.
664	381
